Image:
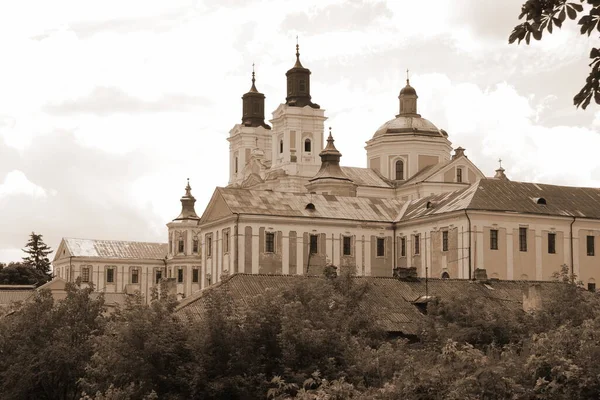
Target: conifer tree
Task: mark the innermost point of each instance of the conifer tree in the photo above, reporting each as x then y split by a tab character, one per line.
37	253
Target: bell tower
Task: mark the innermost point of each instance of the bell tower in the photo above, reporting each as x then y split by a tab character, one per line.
297	135
249	136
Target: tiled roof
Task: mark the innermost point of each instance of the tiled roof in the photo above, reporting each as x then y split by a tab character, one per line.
389	299
115	249
510	196
10	296
263	202
365	177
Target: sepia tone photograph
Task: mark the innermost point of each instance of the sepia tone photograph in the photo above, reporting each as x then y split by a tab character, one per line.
275	199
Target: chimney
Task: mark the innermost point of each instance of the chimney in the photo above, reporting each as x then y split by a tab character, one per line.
458	152
480	274
532	298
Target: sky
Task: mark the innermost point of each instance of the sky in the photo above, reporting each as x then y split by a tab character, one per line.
107	107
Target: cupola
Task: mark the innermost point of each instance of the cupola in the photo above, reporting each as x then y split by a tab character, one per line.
408	100
331	179
187	205
253	106
298	85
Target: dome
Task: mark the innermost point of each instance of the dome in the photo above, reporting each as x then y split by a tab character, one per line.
408	124
408	90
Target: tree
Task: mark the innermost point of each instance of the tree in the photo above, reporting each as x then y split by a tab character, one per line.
21	274
543	15
37	252
46	345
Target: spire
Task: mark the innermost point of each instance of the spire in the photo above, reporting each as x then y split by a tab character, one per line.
330	178
298	63
253	88
187	205
298	84
500	172
253	106
408	99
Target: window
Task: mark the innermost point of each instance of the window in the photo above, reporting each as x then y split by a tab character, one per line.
445	275
590	245
226	242
180	275
135	275
444	240
523	239
399	170
110	275
85	274
281	146
402	247
180	248
459	175
289	84
270	242
314	244
493	239
158	276
195	245
302	86
195	275
171	245
592	286
380	247
551	243
236	165
417	244
307	145
208	246
255	108
347	246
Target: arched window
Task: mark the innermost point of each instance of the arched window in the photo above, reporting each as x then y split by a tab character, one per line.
445	275
307	145
236	165
281	146
399	170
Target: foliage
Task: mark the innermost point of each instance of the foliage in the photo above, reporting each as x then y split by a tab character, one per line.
144	349
543	15
21	274
38	253
309	341
45	346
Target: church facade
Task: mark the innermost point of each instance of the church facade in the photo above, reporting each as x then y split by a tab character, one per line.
291	208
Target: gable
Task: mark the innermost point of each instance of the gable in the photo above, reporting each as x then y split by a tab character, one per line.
216	209
62	251
448	173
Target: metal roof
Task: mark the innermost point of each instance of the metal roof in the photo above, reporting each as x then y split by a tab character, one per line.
391	300
510	196
283	204
11	295
115	249
365	177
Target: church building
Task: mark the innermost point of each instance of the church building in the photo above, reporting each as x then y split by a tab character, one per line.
290	207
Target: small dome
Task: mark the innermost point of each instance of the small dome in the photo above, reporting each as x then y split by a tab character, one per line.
408	90
409	125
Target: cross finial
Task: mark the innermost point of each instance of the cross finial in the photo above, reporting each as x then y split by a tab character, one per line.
407	77
500	161
297	48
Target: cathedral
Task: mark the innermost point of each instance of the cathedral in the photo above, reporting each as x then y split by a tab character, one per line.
421	207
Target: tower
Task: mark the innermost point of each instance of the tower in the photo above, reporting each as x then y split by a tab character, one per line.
250	135
297	135
183	258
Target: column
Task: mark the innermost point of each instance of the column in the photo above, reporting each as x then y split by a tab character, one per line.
285	255
510	270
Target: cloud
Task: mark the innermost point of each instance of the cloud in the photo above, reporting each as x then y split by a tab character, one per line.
109	100
16	183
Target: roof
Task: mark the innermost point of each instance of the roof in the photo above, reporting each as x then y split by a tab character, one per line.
284	204
408	124
365	177
115	249
389	299
510	196
11	296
